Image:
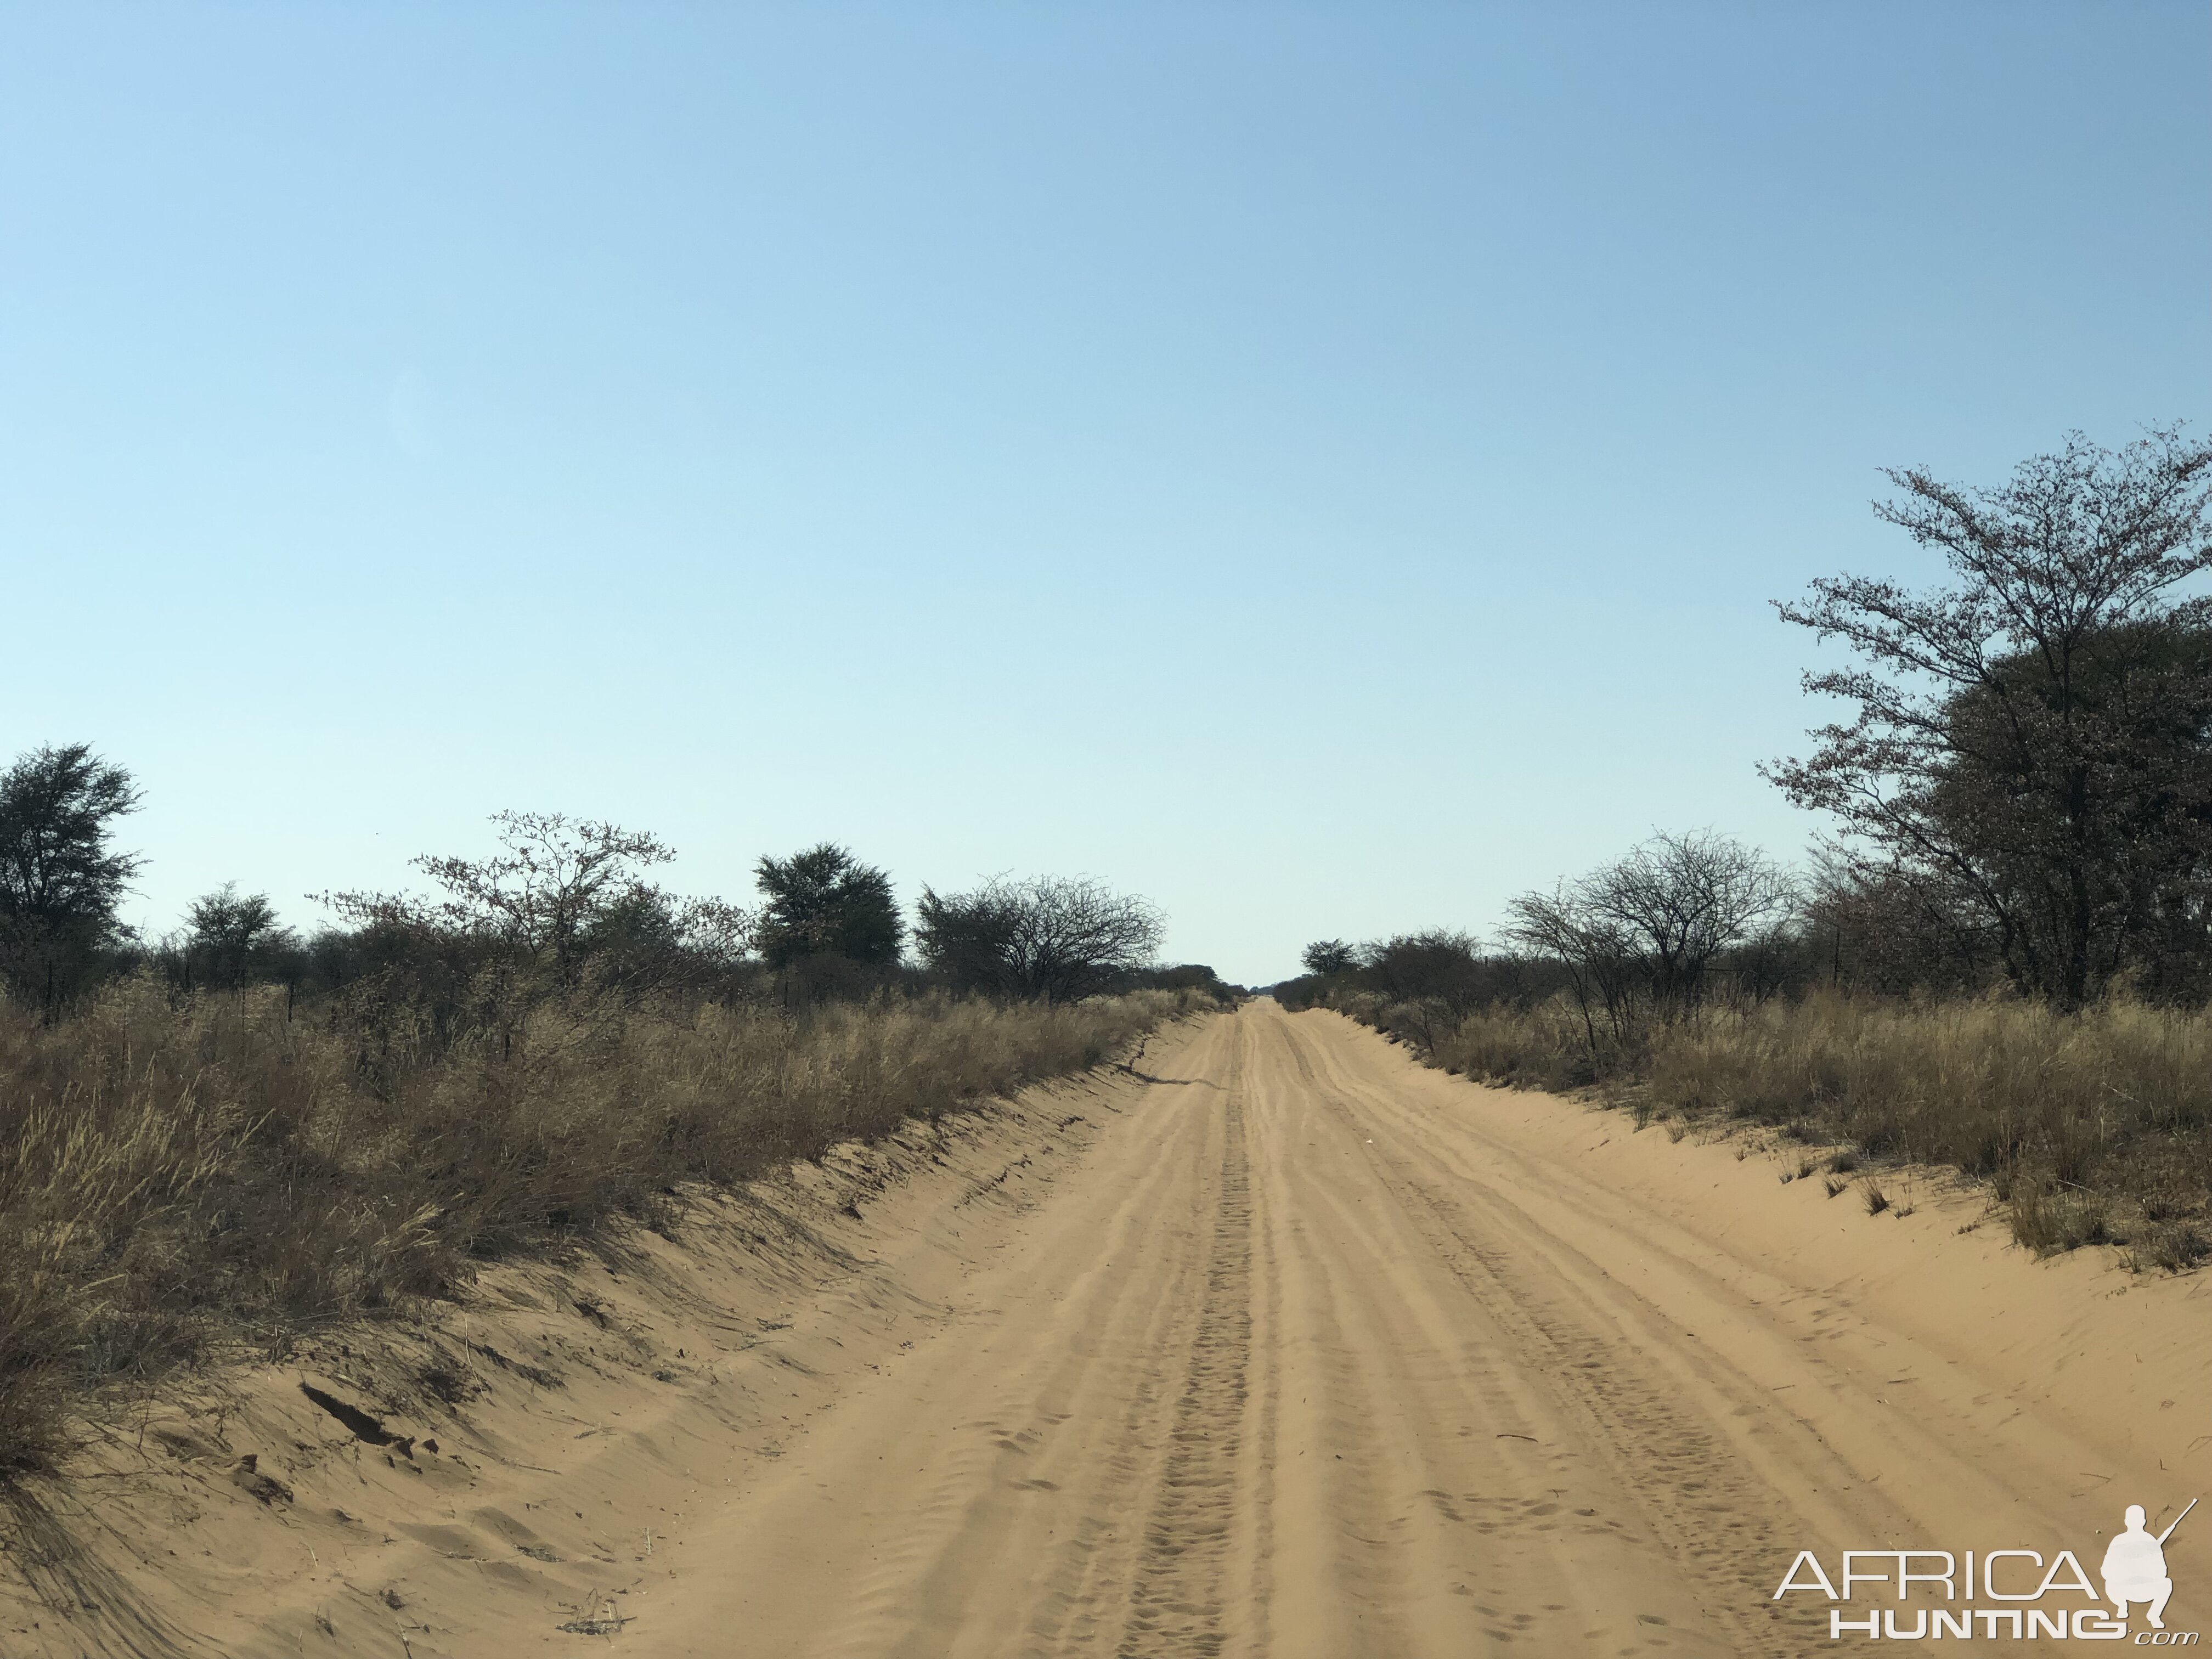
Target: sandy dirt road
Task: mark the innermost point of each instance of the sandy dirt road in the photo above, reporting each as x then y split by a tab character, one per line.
1320	1355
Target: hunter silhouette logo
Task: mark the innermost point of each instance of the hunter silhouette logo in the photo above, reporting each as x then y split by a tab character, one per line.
2134	1571
2135	1566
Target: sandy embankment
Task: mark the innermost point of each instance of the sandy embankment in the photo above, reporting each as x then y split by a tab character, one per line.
550	1448
1296	1349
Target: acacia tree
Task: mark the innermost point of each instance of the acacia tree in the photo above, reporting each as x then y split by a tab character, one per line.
2034	738
565	901
1892	931
825	901
1438	965
1057	937
1559	927
1646	931
1328	956
61	878
230	935
553	877
1674	904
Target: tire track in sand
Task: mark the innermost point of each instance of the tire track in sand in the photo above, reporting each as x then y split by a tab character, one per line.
1176	1598
1719	1518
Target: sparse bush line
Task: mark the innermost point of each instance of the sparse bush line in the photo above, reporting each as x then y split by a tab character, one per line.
187	1174
2087	1127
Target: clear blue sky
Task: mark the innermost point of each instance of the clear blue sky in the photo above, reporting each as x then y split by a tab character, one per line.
1322	467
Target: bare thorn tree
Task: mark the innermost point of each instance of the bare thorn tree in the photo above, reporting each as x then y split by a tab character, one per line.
1676	902
1059	937
1646	931
1560	927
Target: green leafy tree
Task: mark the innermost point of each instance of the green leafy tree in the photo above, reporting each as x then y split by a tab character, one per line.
232	937
1328	956
825	901
2032	738
61	878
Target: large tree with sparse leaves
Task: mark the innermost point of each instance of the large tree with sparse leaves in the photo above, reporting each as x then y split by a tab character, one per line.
2033	738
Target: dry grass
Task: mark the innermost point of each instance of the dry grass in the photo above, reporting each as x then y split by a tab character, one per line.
183	1176
1542	1048
2074	1120
2091	1127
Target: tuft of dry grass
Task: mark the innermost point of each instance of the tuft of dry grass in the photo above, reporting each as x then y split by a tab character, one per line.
221	1169
2050	1223
2174	1247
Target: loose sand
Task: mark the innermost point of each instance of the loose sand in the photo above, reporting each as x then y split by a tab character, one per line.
1286	1347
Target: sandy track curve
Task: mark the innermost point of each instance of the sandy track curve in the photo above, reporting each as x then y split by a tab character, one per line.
1321	1354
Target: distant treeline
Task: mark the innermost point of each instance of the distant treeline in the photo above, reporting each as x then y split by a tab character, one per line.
562	906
